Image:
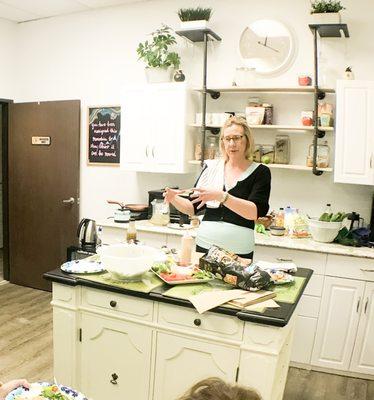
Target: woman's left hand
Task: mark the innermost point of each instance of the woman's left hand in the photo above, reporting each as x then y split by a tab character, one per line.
205	195
6	388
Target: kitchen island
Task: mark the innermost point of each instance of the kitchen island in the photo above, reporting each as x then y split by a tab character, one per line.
111	341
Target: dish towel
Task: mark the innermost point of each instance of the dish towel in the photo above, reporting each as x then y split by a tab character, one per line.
212	177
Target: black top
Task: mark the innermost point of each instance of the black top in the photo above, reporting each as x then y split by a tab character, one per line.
271	316
255	188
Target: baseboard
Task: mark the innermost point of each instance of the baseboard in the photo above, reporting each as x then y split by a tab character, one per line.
331	371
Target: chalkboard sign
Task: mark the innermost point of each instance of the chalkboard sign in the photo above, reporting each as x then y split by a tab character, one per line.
104	126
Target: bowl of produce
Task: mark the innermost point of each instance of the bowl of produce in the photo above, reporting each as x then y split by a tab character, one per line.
326	228
129	261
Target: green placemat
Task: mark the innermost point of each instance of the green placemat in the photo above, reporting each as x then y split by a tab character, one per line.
191	289
148	282
288	293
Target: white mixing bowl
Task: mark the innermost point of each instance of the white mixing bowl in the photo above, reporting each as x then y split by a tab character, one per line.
322	231
129	261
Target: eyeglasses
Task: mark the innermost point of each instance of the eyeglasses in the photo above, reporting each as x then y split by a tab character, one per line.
235	139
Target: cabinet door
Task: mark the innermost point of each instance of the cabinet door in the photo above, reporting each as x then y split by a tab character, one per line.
302	346
168	127
363	355
181	362
135	129
338	321
113	354
354	143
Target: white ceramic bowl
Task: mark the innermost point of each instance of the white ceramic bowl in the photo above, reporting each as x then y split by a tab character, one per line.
129	261
324	232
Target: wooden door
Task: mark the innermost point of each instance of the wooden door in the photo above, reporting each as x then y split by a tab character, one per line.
338	322
41	177
115	359
354	143
363	355
182	362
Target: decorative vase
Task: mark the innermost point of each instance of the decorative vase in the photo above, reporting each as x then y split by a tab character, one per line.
158	75
349	75
179	76
326	18
198	24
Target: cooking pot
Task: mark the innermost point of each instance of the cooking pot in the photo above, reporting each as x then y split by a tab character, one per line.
122	214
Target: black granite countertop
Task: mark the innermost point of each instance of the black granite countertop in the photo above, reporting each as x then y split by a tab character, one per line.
271	316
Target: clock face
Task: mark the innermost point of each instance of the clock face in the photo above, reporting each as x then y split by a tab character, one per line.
268	46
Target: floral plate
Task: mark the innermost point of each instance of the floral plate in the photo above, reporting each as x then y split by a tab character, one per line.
84	266
36	389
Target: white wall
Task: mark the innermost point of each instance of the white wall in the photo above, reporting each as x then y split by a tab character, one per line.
7	58
89	56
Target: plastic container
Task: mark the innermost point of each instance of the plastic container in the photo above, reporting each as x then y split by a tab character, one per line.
279	218
186	251
324	232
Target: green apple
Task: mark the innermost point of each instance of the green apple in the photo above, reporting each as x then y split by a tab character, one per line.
265	159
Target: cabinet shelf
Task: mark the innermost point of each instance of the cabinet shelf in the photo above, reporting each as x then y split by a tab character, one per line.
197	35
281	166
277	127
296	89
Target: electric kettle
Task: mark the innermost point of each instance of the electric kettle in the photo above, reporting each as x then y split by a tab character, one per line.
87	234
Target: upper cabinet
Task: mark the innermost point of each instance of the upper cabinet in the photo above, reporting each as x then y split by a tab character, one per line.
354	146
155	137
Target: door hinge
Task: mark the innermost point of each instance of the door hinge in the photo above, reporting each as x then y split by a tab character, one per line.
237	375
80	334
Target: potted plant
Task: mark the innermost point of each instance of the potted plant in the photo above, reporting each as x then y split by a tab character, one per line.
326	11
194	18
160	62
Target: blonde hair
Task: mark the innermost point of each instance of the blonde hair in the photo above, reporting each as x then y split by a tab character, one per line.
217	389
250	145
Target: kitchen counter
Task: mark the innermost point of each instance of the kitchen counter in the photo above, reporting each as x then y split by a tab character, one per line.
260	239
110	342
277	316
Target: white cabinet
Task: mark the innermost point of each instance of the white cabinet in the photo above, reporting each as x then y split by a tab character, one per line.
112	355
363	354
181	362
338	321
354	143
154	128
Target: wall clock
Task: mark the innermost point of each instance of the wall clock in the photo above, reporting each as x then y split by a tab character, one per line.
268	46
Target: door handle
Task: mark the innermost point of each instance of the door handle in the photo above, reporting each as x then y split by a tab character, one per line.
366	305
153	151
114	379
69	201
146	151
358	304
371	160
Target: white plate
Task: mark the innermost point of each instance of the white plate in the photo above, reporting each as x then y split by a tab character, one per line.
84	266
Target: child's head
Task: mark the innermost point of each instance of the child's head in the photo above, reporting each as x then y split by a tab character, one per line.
217	389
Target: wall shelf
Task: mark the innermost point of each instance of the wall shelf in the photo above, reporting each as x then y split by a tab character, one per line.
330	30
295	90
281	166
277	127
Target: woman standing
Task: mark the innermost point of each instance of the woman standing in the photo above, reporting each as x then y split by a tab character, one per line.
233	190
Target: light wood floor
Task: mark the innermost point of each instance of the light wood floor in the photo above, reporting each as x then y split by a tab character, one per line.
26	351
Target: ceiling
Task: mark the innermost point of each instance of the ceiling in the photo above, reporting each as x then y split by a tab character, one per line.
29	10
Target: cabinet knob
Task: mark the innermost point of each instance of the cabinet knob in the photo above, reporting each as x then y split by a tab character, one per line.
113	303
197	321
114	379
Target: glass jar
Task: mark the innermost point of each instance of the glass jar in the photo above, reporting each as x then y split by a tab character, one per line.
257	154
323	155
212	148
282	149
160	212
267	156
